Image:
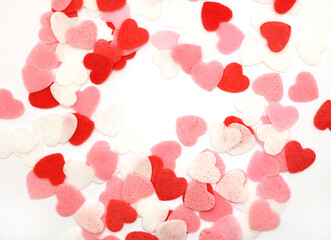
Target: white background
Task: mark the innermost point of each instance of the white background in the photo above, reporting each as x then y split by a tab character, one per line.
152	104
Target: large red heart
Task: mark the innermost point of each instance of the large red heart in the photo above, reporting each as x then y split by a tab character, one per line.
233	79
110	5
322	119
157	165
118	213
283	6
100	65
112	52
140	236
130	36
51	167
297	158
213	13
83	131
168	186
277	35
43	99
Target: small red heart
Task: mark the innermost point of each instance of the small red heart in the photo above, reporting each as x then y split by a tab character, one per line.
112	52
130	36
233	79
140	236
297	158
118	213
157	165
100	65
43	99
283	6
121	63
51	167
168	186
277	35
322	119
83	131
213	13
110	5
233	119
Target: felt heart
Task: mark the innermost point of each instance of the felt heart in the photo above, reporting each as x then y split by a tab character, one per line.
276	61
87	101
82	36
274	188
60	23
168	186
229	226
140	236
189	128
129	139
157	166
233	79
64	51
43	57
150	9
163	40
138	164
65	95
213	13
88	217
282	117
168	67
51	167
131	36
6	142
10	108
78	174
232	119
277	35
250	52
117	17
207	75
178	14
118	213
188	216
36	79
136	187
73	7
168	151
230	38
311	48
171	229
39	188
252	108
270	86
46	34
31	158
60	5
187	55
100	65
197	197
247	232
212	234
297	158
24	140
71	71
83	131
110	5
265	15
221	208
113	191
283	6
68	128
261	217
69	200
247	141
305	88
322	119
112	52
244	207
231	186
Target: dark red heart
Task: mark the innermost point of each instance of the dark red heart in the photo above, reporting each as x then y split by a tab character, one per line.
283	6
157	165
83	131
233	119
233	79
298	159
118	213
277	35
140	236
51	167
213	13
130	36
110	5
322	119
43	99
100	65
168	186
112	52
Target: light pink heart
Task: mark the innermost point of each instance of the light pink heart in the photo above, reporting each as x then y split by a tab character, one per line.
197	197
165	39
36	79
261	217
188	216
212	234
274	188
113	191
43	57
10	108
39	188
46	34
189	128
230	38
305	88
219	161
82	36
117	17
87	101
229	226
60	5
93	236
282	117
187	55
207	75
270	86
168	151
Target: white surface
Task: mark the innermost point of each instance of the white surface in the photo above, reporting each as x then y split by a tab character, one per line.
152	104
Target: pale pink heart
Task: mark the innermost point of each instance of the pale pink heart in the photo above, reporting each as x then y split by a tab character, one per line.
102	160
219	161
281	159
10	108
43	57
93	236
221	208
113	191
274	188
171	230
136	187
261	217
60	5
188	216
270	86
46	34
305	88
229	226
212	234
282	117
230	38
69	200
89	217
187	55
189	128
197	197
168	151
207	75
87	101
265	119
261	166
165	39
39	188
82	36
36	79
117	17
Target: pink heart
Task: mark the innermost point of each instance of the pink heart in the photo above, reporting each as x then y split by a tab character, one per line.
282	117
136	187
60	5
82	36
69	200
219	161
270	86
212	234
102	160
36	79
43	57
46	34
261	217
189	128
261	166
188	216
274	188
168	151
10	108
280	158
230	38
117	17
113	191
229	226
187	55
207	75
87	101
39	188
165	39
197	197
305	88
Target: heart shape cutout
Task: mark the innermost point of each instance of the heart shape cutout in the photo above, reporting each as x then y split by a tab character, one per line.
197	197
36	79
207	75
212	234
283	6
230	38
277	35
229	226
305	88
282	117
168	151
100	67
213	13
69	200
83	131
130	36
78	173
110	5
270	86
274	188
189	128
187	55
87	101
10	108
89	217
82	36
322	119
221	208
39	188
43	99
188	216
261	217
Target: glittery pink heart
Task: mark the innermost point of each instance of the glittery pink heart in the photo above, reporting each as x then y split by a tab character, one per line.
113	191
282	117
305	88
197	197
207	75
87	101
188	216
230	38
269	86
221	208
274	188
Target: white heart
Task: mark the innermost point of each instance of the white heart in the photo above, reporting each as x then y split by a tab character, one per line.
250	52
91	8
6	142
24	140
68	128
78	174
31	158
172	229
151	9
267	15
252	108
310	49
64	51
66	96
250	186
128	140
178	14
88	217
223	138
168	67
75	234
71	71
276	61
60	23
247	141
139	164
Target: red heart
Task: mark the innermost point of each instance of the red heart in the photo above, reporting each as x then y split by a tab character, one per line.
322	119
283	6
43	99
130	36
112	52
51	167
213	13
140	236
298	159
83	131
157	165
71	10
121	63
233	119
168	186
110	5
100	65
277	35
118	213
233	79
